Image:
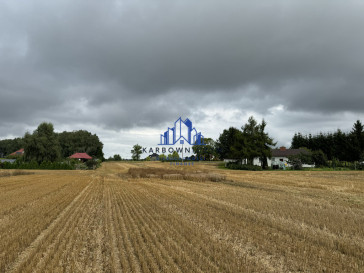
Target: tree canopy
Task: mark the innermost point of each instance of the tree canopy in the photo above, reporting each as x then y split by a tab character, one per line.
136	152
8	146
42	145
207	151
80	142
344	146
248	143
46	144
225	143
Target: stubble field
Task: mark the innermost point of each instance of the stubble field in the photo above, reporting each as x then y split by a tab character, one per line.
153	217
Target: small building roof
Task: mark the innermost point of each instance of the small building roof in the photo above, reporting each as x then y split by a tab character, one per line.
80	156
283	152
18	152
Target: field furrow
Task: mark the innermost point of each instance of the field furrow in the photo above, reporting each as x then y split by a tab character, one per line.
110	221
243	225
180	247
23	260
125	237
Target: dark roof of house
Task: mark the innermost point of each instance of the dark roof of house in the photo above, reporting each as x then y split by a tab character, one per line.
287	152
19	152
154	154
80	156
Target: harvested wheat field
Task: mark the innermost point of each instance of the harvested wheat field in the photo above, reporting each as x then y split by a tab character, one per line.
154	217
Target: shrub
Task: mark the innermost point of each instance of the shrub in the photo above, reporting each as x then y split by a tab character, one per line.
33	165
92	164
80	166
296	163
319	158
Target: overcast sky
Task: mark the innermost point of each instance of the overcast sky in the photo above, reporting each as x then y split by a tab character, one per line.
126	70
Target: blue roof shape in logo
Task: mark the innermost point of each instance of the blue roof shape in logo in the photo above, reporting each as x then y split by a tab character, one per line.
181	132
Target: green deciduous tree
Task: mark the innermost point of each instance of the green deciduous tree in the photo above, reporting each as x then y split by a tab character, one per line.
207	151
251	142
81	142
225	142
8	146
319	158
174	156
136	152
238	147
43	145
298	160
257	141
117	157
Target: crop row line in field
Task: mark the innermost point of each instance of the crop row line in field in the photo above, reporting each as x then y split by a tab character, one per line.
129	260
112	235
170	233
21	199
205	249
153	235
246	244
36	244
142	246
202	252
28	224
349	245
267	229
66	238
78	247
58	237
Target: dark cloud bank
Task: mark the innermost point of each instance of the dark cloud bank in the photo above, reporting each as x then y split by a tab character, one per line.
124	64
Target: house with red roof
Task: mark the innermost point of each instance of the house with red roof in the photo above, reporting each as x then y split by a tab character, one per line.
81	156
18	152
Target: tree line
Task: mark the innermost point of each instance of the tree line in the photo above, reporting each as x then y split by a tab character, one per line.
252	141
248	142
8	146
339	145
45	145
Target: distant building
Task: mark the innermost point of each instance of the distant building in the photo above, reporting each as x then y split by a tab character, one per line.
7	160
81	156
154	157
18	152
279	158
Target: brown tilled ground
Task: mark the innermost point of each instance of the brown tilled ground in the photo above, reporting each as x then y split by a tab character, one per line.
156	217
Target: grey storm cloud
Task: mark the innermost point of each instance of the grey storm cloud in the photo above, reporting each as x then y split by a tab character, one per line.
120	64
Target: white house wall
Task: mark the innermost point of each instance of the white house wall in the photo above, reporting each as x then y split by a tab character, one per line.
271	162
